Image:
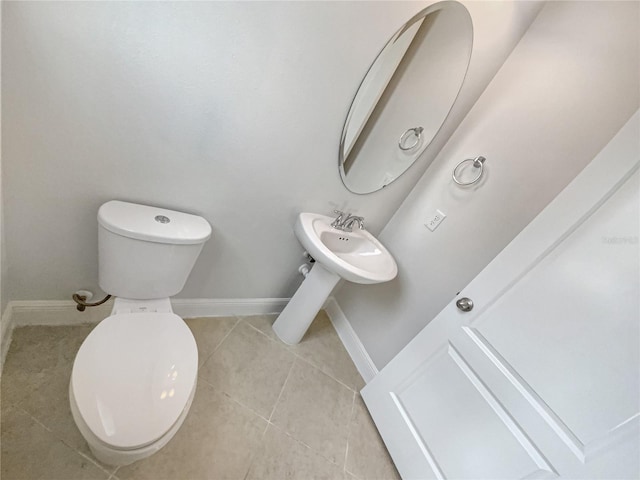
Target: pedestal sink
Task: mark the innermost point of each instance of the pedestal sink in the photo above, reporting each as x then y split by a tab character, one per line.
356	256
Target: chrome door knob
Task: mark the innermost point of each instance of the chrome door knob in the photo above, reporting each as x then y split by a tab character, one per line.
465	304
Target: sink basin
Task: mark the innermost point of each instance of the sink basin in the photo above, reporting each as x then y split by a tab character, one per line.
356	256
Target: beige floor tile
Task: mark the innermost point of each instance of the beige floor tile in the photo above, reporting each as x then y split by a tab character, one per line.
367	456
315	409
320	346
35	353
209	332
250	368
216	441
283	458
264	323
19	383
219	437
42	347
49	404
46	395
29	451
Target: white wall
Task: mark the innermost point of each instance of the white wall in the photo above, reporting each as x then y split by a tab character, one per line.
229	110
3	262
568	87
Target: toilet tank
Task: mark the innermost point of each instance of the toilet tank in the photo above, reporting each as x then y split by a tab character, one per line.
147	252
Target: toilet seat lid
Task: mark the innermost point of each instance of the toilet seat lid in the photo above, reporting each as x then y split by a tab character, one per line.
133	376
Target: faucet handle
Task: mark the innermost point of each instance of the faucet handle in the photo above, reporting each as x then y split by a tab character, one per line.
338	219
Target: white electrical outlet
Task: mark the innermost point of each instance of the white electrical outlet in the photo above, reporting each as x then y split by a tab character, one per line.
435	220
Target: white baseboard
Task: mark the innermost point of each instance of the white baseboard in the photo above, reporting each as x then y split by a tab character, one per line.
213	307
6	332
64	312
55	313
350	339
45	312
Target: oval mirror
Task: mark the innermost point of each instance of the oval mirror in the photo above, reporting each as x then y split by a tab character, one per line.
405	96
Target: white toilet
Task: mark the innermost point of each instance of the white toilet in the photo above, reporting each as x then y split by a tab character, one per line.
134	376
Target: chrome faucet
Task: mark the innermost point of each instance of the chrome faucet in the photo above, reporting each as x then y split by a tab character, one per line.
338	221
346	224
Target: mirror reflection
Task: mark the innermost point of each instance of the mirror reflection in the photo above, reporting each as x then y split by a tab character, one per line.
405	96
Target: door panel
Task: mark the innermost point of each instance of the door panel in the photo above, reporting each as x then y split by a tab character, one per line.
452	449
542	378
579	304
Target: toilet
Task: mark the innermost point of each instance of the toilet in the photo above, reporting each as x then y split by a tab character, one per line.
134	377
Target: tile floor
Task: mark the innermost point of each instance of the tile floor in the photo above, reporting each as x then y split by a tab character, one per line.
262	410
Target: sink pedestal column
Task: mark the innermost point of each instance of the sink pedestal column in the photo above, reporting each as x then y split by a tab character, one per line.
295	319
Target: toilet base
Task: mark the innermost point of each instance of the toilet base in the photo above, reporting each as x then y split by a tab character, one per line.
127	305
113	456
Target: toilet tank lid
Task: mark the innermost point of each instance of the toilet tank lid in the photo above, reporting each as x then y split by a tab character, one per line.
153	224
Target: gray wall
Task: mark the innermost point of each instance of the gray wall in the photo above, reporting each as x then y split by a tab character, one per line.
229	110
566	89
3	262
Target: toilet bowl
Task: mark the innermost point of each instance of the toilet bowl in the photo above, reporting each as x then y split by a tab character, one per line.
134	376
132	383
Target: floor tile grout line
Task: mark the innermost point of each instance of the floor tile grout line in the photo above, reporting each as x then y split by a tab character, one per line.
257	450
278	341
320	454
320	369
61	439
64	441
288	347
346	456
34	419
275	406
54	432
297	440
326	373
222	341
351	415
242	405
230	397
4	405
83	455
242	319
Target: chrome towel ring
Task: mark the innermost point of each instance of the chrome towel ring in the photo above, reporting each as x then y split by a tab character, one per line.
478	162
416	131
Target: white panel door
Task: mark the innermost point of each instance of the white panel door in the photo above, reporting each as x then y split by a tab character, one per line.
542	378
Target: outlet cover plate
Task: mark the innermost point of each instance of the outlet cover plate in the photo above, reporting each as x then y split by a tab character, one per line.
434	220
